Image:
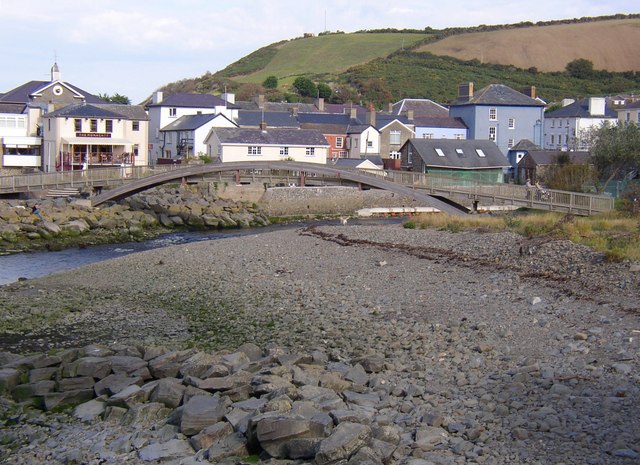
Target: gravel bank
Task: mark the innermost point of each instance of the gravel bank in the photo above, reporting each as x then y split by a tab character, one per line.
528	351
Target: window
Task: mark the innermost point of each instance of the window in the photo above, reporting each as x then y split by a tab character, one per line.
512	123
628	116
77	125
394	155
252	150
310	151
427	135
440	152
460	152
172	112
394	137
553	123
94	125
493	114
480	153
369	143
410	156
510	143
567	123
284	151
343	154
492	133
108	125
339	142
553	139
135	125
459	136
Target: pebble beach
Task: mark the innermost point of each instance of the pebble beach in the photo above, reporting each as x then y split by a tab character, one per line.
520	351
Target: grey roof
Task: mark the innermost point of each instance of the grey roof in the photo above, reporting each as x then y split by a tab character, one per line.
348	162
525	145
375	159
580	109
105	110
21	94
468	159
500	95
550	157
253	118
437	122
359	128
15	108
421	107
184	99
189	122
382	119
325	118
630	105
274	136
326	128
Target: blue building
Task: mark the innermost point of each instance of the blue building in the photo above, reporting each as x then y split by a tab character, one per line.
500	114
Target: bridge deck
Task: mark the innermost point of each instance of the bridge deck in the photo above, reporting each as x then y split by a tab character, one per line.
122	182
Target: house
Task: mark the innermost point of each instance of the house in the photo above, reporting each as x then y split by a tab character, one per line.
96	133
439	128
469	159
516	153
394	131
363	141
419	107
184	137
536	164
629	113
568	128
226	145
500	114
21	111
164	110
334	127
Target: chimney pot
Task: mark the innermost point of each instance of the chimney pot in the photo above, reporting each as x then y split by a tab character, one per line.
465	92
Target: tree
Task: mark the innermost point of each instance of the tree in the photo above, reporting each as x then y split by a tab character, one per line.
615	150
115	98
271	82
324	91
580	68
305	87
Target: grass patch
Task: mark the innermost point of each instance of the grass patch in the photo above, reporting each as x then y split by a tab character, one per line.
614	234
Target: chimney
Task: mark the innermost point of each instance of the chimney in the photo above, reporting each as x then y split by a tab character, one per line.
294	111
320	104
353	113
371	117
229	97
157	97
55	72
263	125
465	92
260	101
596	106
410	115
530	91
390	107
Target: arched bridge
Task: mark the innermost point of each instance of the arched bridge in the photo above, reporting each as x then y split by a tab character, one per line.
379	182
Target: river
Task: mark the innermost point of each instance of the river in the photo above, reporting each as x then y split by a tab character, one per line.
42	263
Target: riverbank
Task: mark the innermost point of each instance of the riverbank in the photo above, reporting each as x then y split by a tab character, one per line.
502	357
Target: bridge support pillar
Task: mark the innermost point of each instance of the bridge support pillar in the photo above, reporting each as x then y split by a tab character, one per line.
301	179
237	177
475	206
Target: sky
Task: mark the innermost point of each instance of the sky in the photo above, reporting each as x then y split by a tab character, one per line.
134	47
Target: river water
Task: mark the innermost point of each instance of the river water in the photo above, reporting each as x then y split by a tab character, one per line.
37	264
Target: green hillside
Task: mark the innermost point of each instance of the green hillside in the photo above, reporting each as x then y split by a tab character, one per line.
386	65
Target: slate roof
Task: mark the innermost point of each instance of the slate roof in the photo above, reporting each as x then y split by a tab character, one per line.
15	108
438	122
550	157
580	109
525	145
325	118
383	119
274	136
189	122
468	159
21	93
326	128
351	162
421	107
188	100
253	118
375	159
630	105
358	128
500	95
108	110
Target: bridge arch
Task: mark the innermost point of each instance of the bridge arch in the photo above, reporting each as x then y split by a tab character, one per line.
140	185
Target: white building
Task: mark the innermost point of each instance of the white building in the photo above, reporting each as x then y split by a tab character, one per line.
227	145
185	136
568	127
164	111
21	111
98	134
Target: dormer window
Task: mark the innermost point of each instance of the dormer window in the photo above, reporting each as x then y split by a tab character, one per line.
480	153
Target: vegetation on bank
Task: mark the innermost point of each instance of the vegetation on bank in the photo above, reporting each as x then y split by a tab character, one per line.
615	234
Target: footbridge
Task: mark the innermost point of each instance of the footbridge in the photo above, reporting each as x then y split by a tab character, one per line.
447	194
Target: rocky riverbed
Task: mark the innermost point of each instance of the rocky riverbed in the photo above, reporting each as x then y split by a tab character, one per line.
388	345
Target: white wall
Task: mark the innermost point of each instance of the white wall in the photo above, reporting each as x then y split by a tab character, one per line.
231	153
